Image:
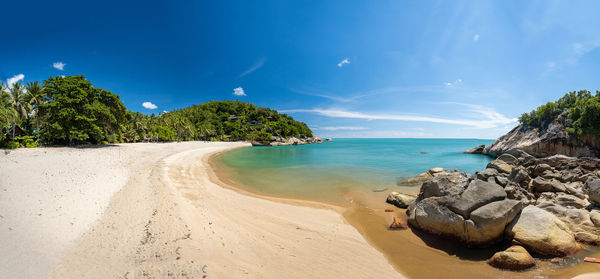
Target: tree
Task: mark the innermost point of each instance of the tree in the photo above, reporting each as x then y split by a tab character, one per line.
19	104
35	98
7	114
77	112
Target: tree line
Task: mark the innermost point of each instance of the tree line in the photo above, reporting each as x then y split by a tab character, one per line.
68	110
581	107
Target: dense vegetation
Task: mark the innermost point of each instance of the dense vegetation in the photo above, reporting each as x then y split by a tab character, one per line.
70	110
582	108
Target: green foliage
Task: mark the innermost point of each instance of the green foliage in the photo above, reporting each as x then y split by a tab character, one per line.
70	110
11	145
582	108
27	141
77	112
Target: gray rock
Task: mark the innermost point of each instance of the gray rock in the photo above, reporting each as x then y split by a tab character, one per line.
539	185
592	189
542	232
595	217
475	150
501	180
431	215
399	200
487	223
541	168
577	220
500	166
487	173
509	159
548	174
448	184
477	194
575	189
519	174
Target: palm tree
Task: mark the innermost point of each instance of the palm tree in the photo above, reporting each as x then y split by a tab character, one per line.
35	97
18	102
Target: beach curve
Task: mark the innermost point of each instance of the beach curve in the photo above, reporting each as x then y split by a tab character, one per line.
170	219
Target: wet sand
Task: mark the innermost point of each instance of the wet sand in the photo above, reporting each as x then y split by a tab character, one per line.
414	253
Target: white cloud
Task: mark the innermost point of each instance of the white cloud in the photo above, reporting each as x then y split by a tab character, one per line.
149	105
335	128
476	37
254	67
14	79
345	61
239	91
455	83
59	65
485	117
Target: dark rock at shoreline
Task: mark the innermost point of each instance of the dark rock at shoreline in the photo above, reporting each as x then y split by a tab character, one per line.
476	150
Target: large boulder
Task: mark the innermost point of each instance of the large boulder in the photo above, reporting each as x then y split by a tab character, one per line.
592	189
513	258
475	150
542	232
488	222
431	215
578	220
478	193
399	200
445	184
509	159
500	166
542	185
487	173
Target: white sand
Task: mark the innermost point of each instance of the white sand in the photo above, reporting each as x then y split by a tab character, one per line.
162	216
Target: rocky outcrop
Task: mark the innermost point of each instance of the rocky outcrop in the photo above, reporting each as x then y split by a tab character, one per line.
423	177
279	141
399	200
543	232
561	197
476	150
551	139
514	258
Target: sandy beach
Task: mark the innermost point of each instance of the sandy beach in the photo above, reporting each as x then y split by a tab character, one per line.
151	210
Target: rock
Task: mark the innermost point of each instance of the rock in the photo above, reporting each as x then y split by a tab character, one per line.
595	217
487	173
541	168
450	184
567	200
513	258
398	224
501	180
477	194
500	166
575	189
399	200
432	216
487	223
577	220
542	232
475	150
551	175
592	189
519	174
507	158
542	185
436	170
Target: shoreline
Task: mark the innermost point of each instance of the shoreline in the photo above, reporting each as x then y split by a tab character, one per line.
170	219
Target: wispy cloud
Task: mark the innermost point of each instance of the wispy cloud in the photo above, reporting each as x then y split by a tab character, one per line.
455	83
572	56
485	117
149	105
239	91
336	128
59	65
11	81
254	67
343	62
476	37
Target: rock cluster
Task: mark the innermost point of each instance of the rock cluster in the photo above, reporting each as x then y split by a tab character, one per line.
420	178
547	205
279	141
476	150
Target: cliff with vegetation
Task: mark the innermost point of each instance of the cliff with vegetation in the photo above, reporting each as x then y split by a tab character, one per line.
70	110
569	126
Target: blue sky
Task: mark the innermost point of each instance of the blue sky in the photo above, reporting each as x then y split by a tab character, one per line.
346	68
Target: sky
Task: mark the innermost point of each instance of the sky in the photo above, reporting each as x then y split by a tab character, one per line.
416	69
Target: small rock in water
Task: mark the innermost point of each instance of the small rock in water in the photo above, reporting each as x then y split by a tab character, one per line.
557	260
513	258
398	224
399	200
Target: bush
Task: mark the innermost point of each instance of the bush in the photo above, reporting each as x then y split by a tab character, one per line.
11	145
28	141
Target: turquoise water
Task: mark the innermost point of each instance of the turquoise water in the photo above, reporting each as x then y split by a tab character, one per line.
346	164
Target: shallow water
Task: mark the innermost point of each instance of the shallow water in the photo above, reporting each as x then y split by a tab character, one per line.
358	174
